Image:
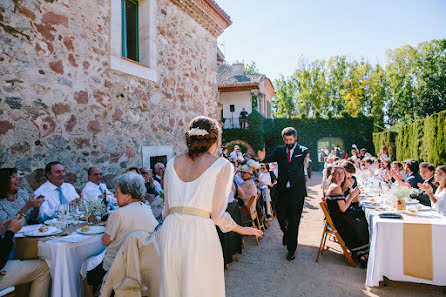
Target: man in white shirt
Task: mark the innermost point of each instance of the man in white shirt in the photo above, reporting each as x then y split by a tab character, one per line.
159	170
95	189
236	153
55	191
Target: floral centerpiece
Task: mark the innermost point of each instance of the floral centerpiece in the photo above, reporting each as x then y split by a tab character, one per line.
94	207
401	193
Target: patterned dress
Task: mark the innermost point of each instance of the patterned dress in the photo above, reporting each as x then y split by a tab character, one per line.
9	209
353	230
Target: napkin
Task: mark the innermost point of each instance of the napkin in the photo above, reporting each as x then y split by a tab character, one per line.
417	249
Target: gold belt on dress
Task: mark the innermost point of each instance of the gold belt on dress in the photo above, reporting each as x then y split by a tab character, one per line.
190	211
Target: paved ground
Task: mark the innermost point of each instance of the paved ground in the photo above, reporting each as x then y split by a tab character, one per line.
263	270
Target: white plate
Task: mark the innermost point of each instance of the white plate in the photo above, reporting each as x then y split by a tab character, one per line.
36	233
412	201
93	230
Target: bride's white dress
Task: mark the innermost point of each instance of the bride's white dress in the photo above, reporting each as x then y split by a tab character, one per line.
191	263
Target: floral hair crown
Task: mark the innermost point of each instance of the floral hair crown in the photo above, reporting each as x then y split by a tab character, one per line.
197	132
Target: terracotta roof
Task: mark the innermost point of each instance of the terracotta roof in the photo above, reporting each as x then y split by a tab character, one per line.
226	78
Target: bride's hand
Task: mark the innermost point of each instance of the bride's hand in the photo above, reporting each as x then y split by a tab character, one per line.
252	231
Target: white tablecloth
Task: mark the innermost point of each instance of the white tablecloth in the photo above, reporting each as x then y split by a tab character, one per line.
64	256
386	250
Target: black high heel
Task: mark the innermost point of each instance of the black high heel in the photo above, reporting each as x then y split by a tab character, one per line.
363	262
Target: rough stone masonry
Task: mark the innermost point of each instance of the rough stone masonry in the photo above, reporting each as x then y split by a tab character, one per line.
59	99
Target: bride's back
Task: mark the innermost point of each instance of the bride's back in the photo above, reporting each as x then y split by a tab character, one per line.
189	170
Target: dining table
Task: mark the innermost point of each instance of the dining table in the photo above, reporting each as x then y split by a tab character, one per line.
405	245
64	253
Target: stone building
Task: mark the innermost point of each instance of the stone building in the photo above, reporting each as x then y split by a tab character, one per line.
237	90
111	83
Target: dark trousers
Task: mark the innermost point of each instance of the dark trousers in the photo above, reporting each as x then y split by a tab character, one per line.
289	212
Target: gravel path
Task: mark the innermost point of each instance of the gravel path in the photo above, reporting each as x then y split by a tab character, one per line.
264	271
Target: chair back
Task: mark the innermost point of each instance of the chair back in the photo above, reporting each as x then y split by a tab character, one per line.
8	292
252	206
327	215
135	270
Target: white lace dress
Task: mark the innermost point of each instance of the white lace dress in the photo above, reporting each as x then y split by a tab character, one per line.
191	263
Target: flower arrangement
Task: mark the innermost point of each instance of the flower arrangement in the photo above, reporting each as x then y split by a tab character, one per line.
402	192
363	175
94	207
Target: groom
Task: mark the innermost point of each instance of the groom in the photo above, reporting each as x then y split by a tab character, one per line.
292	190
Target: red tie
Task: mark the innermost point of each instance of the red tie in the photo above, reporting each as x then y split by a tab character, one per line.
289	156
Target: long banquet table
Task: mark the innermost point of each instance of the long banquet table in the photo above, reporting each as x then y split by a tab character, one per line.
386	257
64	256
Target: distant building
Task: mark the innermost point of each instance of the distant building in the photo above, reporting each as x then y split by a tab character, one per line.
237	90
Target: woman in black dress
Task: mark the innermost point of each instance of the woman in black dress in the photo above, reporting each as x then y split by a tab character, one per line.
353	230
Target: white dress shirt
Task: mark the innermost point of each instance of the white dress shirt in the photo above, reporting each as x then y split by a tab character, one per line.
265	178
440	205
234	155
92	191
52	199
157	186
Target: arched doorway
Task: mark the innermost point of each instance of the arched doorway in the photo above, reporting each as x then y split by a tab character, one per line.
327	145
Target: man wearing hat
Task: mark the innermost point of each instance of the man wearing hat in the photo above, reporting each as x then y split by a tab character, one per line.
291	188
236	153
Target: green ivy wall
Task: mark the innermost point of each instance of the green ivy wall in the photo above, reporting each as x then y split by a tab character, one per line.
423	140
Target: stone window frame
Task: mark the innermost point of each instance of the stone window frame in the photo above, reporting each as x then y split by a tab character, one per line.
146	68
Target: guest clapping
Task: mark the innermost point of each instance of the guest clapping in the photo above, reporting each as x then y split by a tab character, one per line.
439	197
14	201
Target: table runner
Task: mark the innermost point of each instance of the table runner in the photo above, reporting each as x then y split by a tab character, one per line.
417	249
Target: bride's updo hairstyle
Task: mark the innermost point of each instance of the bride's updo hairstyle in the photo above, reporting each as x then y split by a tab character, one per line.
202	133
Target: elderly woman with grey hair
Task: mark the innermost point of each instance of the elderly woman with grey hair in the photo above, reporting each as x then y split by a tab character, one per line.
132	215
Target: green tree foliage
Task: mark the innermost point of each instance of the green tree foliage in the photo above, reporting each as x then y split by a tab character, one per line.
411	86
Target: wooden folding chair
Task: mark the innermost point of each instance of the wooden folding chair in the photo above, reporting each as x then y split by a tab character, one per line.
331	232
254	219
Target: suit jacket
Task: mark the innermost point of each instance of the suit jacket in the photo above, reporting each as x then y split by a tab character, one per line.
293	171
413	179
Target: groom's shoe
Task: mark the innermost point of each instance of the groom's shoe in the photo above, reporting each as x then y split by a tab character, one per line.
291	256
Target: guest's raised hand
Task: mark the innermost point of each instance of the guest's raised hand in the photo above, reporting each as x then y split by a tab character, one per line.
427	188
37	202
261	154
4	226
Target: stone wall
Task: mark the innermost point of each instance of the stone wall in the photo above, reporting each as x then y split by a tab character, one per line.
59	100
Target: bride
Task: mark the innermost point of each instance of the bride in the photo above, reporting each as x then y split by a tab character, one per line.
197	185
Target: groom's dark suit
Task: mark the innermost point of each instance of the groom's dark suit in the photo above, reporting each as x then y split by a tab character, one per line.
290	200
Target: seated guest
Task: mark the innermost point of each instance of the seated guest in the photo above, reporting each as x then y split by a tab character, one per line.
236	153
149	181
95	189
427	171
383	153
248	185
439	197
413	177
355	209
17	272
55	191
158	178
397	173
132	215
15	201
354	232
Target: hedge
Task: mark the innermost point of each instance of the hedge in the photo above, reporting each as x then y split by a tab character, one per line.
423	140
261	131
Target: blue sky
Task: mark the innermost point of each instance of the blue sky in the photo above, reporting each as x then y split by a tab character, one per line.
275	33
